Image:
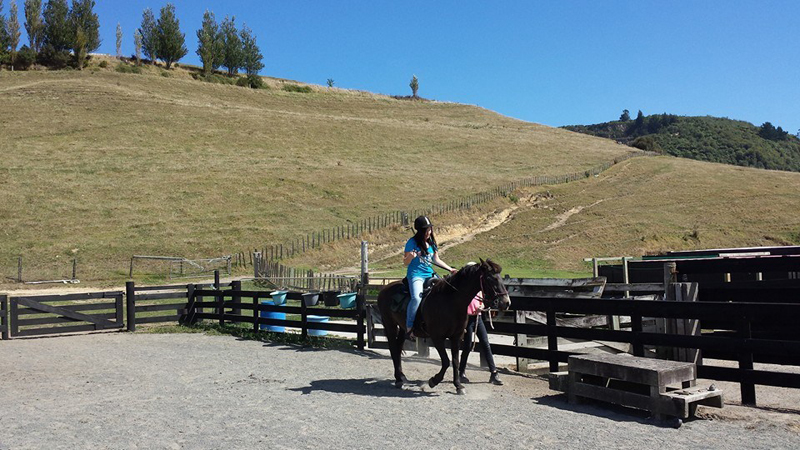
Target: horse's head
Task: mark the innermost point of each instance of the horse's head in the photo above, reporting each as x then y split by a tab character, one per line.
495	295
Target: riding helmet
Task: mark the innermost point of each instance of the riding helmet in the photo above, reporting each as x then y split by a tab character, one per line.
422	222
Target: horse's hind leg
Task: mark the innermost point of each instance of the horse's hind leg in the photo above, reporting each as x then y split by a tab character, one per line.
439	344
455	345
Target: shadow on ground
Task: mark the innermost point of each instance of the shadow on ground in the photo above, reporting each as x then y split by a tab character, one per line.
609	411
371	387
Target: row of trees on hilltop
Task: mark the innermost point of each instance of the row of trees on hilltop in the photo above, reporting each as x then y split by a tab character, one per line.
61	34
221	45
58	34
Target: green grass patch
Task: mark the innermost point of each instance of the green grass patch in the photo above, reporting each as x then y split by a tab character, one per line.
297	88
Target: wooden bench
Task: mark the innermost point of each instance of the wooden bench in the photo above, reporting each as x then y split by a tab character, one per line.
641	383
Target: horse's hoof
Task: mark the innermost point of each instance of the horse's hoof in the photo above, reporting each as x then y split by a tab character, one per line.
460	391
432	383
398	384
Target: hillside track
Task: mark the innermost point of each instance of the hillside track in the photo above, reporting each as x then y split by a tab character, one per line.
133	391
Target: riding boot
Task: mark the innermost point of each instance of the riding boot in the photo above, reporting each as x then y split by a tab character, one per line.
494	378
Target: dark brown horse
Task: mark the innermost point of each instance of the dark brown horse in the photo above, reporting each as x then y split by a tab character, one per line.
444	314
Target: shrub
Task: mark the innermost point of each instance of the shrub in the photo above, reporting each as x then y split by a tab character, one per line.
103	64
52	58
251	81
25	58
213	78
126	68
647	143
296	88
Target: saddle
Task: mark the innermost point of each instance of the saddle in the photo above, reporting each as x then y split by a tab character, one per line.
401	296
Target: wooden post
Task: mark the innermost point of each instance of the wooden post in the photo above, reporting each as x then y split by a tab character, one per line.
74	268
4	317
552	338
189	317
130	304
361	308
671	326
256	315
748	389
236	285
303	319
521	341
202	310
256	264
218	299
19	269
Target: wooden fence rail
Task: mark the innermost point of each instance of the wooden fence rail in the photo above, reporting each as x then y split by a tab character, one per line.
226	302
54	314
740	346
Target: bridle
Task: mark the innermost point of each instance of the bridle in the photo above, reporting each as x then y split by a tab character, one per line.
494	294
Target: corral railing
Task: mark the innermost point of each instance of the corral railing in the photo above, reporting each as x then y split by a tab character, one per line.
737	344
38	315
225	305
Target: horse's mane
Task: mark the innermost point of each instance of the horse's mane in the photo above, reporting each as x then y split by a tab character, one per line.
449	281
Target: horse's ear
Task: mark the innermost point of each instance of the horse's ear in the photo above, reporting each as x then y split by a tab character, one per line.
494	266
482	261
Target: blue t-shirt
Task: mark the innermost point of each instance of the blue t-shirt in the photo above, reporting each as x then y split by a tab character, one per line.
420	268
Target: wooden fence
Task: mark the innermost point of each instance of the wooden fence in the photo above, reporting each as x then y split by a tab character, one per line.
53	314
158	304
737	344
228	306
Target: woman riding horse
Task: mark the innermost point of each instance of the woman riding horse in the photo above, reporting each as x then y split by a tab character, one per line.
444	314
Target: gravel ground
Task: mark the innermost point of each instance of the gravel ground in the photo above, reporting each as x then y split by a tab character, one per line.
173	391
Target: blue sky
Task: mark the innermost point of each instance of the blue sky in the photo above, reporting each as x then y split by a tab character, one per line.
556	63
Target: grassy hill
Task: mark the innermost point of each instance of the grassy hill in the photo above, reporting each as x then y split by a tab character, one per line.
638	207
100	165
704	138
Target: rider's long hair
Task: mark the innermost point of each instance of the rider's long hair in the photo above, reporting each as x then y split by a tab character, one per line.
419	238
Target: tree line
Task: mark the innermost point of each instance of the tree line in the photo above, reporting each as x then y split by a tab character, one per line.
58	34
61	34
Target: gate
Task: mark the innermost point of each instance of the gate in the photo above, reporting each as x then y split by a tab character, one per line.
56	314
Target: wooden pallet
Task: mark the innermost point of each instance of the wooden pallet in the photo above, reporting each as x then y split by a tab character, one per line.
641	383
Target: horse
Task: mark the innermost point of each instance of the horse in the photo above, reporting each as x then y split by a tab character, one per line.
443	312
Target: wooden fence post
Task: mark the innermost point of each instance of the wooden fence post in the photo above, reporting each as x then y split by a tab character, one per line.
219	300
130	304
552	338
189	317
256	314
303	319
521	341
4	316
748	389
236	285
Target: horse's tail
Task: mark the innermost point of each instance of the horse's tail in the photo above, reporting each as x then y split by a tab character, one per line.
391	328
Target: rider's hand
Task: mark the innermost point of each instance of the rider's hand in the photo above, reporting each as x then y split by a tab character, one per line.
453	271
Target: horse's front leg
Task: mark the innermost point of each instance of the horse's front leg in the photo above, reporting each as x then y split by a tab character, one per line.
455	346
439	344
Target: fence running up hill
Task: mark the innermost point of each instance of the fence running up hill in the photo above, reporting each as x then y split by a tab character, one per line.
360	228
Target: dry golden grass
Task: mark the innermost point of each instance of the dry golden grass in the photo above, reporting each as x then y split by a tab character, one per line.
100	165
644	206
